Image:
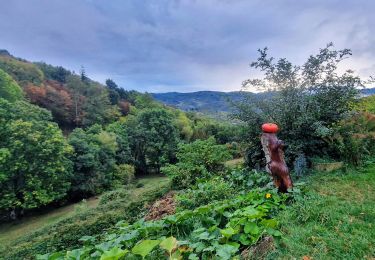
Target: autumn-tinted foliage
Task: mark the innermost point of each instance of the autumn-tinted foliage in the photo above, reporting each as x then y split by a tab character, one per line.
54	97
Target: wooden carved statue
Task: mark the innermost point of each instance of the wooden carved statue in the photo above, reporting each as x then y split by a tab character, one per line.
273	150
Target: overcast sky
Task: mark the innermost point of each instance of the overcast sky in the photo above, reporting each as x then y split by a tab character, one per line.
165	45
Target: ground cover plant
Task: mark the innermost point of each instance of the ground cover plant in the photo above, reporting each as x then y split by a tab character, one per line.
215	230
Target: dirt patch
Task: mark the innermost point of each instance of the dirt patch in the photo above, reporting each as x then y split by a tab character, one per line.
162	207
260	250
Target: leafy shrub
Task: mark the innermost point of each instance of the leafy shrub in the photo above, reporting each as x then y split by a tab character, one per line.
353	139
205	192
113	195
184	175
123	175
195	161
244	179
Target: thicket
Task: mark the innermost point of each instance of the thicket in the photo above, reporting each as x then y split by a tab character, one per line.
308	102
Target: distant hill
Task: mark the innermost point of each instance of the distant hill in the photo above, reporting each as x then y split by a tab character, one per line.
368	91
211	102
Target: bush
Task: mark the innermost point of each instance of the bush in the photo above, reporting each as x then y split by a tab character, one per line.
196	160
353	139
183	175
244	179
114	195
206	192
124	174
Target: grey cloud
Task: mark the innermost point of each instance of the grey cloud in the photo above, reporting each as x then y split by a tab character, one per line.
182	45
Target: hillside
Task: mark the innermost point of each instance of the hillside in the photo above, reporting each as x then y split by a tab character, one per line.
212	102
202	101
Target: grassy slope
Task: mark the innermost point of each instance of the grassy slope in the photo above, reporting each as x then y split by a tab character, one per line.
11	231
12	235
335	221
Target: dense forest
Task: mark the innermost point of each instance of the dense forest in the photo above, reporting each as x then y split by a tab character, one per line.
65	138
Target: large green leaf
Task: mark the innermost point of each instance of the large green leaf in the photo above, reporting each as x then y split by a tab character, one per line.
54	256
74	254
252	228
271	223
226	251
169	244
114	254
228	232
144	247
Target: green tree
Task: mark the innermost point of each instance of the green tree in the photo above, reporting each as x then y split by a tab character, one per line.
54	73
77	88
97	108
153	138
94	160
114	96
21	71
304	100
34	168
9	88
123	153
91	103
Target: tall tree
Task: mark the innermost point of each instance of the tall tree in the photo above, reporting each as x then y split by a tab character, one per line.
153	138
34	168
94	160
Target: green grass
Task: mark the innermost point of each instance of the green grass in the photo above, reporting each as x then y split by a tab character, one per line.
334	220
12	231
54	229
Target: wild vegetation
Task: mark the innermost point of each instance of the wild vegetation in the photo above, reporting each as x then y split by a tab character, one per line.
65	137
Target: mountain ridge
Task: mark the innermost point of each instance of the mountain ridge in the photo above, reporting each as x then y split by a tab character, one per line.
212	102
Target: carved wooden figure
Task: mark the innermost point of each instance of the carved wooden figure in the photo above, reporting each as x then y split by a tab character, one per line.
273	150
